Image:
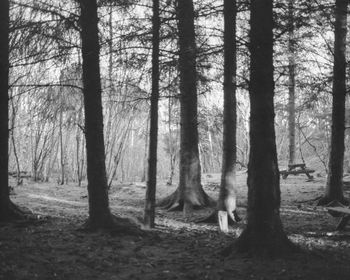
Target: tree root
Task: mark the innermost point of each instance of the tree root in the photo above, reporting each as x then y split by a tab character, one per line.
10	212
114	225
328	201
174	202
256	244
213	218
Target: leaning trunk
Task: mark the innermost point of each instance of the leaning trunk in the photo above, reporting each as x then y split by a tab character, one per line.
99	213
334	188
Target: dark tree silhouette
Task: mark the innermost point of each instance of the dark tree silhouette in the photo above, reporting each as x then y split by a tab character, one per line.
8	210
334	187
264	234
99	212
190	193
152	155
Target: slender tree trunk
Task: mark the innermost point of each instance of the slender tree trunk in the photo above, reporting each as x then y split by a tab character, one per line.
8	211
172	145
78	148
227	195
291	82
145	158
264	234
99	212
334	187
61	144
149	215
190	193
13	121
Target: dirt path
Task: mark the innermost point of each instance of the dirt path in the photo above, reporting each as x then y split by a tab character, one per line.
178	248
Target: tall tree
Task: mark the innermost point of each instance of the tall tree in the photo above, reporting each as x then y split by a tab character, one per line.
291	82
190	193
264	232
227	195
334	187
8	210
99	212
152	155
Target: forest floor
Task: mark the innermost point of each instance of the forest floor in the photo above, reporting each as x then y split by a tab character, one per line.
53	248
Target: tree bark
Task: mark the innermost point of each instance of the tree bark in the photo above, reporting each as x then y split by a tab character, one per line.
264	234
227	195
8	211
190	193
334	187
291	82
99	212
149	215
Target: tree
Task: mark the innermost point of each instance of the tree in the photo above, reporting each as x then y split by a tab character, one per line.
8	210
190	192
99	212
291	82
149	215
334	187
227	195
100	215
264	234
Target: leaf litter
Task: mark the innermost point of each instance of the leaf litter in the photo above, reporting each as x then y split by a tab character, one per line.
179	248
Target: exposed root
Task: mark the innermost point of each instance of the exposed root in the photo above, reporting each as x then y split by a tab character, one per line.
335	203
255	244
327	201
114	225
175	202
10	212
171	202
213	218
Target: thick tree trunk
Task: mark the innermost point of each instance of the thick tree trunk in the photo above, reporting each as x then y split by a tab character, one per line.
291	82
264	233
99	212
8	211
149	215
190	192
334	187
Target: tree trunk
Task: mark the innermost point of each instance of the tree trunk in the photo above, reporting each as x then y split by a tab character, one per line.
145	158
8	211
62	163
227	195
172	143
291	82
264	234
14	147
334	187
190	193
149	215
99	212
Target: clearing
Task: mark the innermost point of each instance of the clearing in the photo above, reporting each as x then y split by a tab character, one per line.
178	248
